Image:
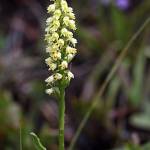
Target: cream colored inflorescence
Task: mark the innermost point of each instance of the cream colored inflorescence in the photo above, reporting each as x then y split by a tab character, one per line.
60	44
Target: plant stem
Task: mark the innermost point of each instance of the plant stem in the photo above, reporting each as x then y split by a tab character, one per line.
61	119
20	135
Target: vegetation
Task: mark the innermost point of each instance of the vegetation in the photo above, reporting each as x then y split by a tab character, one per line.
111	85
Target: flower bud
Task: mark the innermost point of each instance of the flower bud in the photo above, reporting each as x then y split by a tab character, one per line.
64	6
57	14
51	8
71	50
60	44
70	75
64	65
50	79
57	76
49	91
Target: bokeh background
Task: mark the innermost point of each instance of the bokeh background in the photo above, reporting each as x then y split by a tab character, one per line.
120	121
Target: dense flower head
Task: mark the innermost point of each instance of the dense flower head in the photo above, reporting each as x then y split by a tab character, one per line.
60	44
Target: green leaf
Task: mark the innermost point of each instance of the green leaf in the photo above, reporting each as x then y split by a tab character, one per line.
136	92
37	142
120	24
141	120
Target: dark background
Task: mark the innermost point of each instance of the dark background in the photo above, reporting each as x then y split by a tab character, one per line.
122	117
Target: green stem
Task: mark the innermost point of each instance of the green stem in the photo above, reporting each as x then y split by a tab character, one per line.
20	135
61	119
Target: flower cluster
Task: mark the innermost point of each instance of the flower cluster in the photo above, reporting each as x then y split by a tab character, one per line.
60	44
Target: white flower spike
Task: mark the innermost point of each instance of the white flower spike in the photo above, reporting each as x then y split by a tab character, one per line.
60	44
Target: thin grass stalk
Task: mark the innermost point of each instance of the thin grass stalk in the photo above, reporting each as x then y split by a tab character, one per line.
104	85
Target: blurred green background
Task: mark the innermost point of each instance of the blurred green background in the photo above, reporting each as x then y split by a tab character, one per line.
120	121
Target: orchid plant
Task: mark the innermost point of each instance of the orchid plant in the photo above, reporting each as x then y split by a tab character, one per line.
61	50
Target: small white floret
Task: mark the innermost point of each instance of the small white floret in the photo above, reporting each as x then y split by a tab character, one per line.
49	91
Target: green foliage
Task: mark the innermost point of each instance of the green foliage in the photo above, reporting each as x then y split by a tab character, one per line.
103	30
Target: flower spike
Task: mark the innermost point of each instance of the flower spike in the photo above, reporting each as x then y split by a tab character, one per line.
60	44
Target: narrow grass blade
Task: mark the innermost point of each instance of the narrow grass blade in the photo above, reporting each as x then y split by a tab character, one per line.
37	142
104	85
